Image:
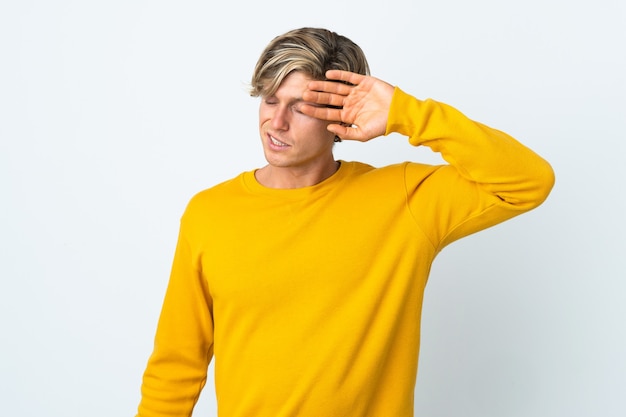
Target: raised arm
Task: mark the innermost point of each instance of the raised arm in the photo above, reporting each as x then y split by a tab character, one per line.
491	176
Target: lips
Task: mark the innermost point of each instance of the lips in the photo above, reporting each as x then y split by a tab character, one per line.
277	143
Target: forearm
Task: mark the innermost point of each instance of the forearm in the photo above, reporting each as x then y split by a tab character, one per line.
173	381
490	158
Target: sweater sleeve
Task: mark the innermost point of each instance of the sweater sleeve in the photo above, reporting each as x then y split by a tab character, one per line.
177	369
490	178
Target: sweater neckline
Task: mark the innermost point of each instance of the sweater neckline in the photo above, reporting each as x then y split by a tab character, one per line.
251	184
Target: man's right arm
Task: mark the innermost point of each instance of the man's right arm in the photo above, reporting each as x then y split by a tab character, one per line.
183	347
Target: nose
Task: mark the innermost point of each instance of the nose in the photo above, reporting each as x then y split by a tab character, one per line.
280	118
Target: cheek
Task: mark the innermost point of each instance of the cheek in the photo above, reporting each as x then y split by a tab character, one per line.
312	124
264	116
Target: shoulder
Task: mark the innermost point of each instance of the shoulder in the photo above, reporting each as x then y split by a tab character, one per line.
211	198
399	171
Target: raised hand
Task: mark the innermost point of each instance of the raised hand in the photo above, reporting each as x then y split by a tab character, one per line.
359	109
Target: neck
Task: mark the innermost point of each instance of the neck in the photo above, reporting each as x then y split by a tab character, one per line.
289	177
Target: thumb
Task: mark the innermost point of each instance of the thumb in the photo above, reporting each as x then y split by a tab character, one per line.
344	131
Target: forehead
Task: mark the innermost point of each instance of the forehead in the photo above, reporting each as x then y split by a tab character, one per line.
293	85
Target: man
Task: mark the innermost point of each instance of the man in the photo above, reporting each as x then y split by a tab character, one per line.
304	278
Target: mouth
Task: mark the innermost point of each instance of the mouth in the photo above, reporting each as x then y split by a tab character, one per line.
275	142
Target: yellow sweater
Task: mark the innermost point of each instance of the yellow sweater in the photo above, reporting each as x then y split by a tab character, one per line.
310	299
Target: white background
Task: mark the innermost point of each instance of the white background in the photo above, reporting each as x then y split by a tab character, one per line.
114	113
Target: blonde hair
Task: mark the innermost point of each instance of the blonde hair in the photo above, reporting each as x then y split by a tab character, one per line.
310	50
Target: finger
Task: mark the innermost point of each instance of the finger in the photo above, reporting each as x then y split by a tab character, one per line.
347	76
346	132
327	99
323	113
329	87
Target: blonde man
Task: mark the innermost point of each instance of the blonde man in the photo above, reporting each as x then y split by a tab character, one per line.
304	279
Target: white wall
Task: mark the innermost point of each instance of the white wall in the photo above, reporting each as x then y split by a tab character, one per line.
113	113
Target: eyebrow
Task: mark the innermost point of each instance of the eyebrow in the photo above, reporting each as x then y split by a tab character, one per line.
297	100
290	101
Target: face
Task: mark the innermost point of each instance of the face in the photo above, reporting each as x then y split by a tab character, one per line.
290	138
